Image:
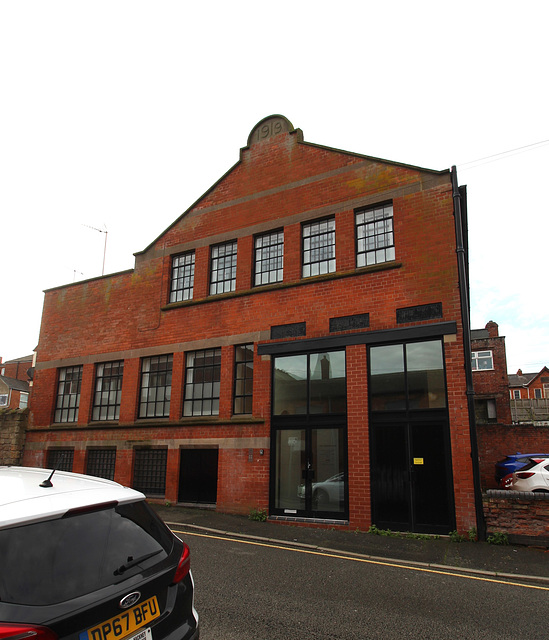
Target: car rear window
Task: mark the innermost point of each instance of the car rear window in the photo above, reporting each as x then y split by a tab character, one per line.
56	560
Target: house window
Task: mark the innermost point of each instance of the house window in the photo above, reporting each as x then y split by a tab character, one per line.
482	360
23	400
223	268
319	248
202	383
4	400
269	258
374	234
156	387
60	459
538	393
108	390
101	463
149	472
68	394
546	390
182	277
243	378
516	394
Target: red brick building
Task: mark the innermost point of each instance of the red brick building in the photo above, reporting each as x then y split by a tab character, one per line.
294	342
15	378
490	380
529	385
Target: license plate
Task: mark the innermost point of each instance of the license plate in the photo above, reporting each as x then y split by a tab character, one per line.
125	623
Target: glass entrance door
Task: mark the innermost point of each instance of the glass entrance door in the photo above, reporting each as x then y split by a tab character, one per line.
310	478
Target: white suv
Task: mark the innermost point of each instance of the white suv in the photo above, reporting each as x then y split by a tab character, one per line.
83	558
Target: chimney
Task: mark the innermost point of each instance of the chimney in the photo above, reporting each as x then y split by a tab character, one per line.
519	372
492	329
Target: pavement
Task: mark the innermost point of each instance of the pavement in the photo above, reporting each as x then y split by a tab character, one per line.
501	561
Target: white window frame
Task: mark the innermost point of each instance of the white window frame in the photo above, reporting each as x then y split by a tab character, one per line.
478	356
23	400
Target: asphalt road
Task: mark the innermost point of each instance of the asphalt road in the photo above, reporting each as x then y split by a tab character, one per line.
247	590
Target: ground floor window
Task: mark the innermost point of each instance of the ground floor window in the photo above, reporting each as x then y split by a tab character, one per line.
60	459
101	463
149	474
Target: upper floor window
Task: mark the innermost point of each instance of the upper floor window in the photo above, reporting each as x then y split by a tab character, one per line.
243	378
3	400
269	258
23	400
182	277
482	360
156	387
515	394
68	394
223	268
319	248
202	383
108	390
374	234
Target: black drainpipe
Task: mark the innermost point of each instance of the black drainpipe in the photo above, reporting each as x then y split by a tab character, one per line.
459	195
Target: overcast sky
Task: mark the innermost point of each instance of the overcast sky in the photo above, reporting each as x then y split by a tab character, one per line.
118	115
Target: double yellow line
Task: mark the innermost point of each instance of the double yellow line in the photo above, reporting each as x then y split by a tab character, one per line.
350	558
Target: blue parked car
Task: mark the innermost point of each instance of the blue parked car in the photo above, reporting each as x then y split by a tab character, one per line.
514	462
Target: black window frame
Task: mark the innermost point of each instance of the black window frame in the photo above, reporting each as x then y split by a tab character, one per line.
149	471
64	412
182	277
60	459
308	265
101	462
102	379
382	237
196	376
167	361
243	379
224	265
275	245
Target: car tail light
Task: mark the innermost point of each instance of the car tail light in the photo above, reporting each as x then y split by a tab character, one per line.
184	565
507	481
524	474
25	632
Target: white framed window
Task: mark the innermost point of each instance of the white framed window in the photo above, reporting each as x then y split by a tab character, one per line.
515	394
482	360
538	394
3	400
23	400
546	390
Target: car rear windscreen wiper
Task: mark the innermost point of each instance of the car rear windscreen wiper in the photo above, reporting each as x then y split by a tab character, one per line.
130	562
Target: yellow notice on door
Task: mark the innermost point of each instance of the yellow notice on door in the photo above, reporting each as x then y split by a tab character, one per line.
418	460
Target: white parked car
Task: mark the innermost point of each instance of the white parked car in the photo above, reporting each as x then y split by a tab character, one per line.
533	477
83	558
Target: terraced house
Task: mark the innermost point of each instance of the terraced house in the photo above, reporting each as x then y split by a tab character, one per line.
296	341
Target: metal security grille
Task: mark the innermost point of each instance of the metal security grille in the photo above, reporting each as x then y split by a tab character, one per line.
223	268
101	463
243	378
108	390
202	383
269	258
182	277
60	459
156	387
375	237
149	475
319	248
68	394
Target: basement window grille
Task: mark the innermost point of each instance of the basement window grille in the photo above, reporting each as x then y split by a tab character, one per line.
60	459
101	463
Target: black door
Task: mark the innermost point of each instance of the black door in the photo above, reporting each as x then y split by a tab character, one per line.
198	476
411	478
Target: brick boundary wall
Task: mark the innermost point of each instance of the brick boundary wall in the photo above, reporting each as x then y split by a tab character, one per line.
13	427
522	515
495	441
